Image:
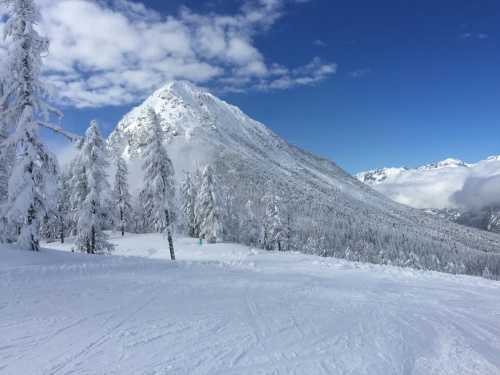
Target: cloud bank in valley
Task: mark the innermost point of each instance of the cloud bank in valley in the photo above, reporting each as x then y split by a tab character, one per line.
114	53
467	188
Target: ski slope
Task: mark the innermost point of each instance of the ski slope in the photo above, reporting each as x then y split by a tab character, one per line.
229	309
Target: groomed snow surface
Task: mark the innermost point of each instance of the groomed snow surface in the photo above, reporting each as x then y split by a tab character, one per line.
231	309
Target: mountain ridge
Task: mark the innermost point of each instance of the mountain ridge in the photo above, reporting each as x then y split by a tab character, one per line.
328	211
459	183
380	174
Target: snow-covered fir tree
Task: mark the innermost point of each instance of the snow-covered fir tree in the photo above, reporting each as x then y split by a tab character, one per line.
57	224
159	193
96	212
78	188
209	208
273	231
229	216
65	223
32	187
7	160
189	193
123	199
248	226
139	224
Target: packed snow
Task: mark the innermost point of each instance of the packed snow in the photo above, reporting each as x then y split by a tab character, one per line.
232	309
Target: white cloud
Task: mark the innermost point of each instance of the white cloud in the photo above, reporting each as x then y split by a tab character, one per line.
474	36
451	187
102	54
478	192
358	73
316	71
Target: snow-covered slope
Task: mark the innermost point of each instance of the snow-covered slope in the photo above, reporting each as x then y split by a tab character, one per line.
322	200
230	309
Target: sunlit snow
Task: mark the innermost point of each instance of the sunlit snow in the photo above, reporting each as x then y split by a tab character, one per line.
231	309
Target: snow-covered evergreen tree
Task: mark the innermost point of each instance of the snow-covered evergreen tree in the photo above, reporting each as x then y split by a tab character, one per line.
189	194
57	224
209	208
32	187
229	216
96	211
159	193
78	188
7	159
138	216
123	199
248	226
273	231
65	223
6	155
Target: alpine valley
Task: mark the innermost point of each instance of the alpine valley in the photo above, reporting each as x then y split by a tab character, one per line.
451	189
325	210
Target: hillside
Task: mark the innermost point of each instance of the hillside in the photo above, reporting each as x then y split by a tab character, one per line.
329	212
231	309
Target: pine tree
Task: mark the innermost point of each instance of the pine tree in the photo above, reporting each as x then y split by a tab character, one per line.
228	215
32	187
7	159
123	199
189	194
96	210
78	188
273	233
6	155
56	224
209	208
158	194
139	218
196	180
65	224
248	230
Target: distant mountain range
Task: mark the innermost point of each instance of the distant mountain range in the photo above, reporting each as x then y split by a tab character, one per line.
323	209
380	174
451	189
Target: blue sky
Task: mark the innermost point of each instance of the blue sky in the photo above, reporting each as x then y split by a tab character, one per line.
365	83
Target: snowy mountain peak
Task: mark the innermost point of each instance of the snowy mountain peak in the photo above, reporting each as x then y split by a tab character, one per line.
327	211
450	162
492	159
378	175
195	121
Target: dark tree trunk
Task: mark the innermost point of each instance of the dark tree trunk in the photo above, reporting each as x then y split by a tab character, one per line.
92	242
34	244
121	221
169	236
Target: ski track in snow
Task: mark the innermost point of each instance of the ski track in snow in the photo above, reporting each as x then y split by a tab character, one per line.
227	309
